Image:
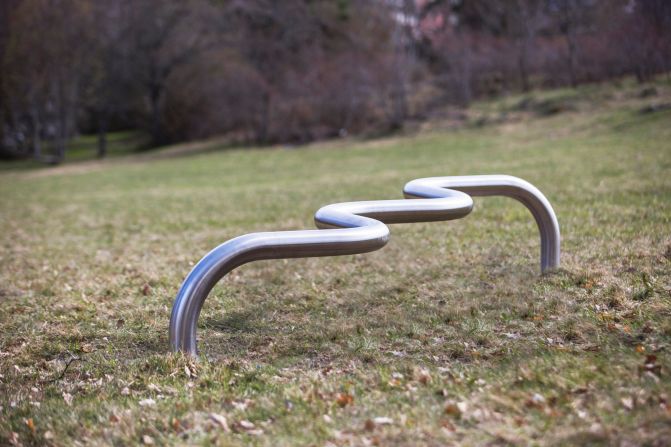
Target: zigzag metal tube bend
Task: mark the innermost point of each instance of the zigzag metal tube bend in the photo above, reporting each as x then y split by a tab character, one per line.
356	227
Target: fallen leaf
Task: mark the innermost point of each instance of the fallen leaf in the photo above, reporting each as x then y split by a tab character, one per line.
666	407
344	399
383	420
147	402
650	366
146	289
221	421
369	425
512	335
242	405
394	383
30	424
448	425
422	376
246	425
120	322
452	409
628	403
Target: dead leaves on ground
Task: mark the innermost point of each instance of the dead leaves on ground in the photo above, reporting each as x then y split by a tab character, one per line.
344	399
650	367
31	425
480	406
221	421
245	426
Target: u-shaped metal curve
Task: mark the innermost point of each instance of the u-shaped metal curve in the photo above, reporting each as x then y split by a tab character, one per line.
356	227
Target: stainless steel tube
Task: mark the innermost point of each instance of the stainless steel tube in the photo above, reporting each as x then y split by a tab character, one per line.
355	227
508	186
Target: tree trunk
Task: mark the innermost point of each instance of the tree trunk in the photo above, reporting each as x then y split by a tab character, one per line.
569	23
156	126
525	43
399	102
404	50
523	67
63	123
264	121
570	40
465	69
36	143
102	135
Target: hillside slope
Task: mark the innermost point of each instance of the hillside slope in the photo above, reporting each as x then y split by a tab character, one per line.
447	335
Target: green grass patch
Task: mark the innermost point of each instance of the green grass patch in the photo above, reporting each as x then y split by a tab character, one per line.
448	335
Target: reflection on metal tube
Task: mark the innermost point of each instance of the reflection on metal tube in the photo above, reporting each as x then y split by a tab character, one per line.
356	227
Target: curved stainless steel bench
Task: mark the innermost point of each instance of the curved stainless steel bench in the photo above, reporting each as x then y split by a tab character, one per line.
357	227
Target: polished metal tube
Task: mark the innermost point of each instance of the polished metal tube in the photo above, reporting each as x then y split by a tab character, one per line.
508	186
356	227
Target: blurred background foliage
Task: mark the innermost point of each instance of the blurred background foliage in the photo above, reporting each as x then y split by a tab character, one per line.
266	72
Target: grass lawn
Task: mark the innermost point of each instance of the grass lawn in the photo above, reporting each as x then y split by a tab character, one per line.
448	335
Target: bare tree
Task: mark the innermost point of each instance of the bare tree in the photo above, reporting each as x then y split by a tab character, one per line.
165	35
573	17
526	17
42	73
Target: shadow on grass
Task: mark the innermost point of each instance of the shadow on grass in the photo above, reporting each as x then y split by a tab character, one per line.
244	321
